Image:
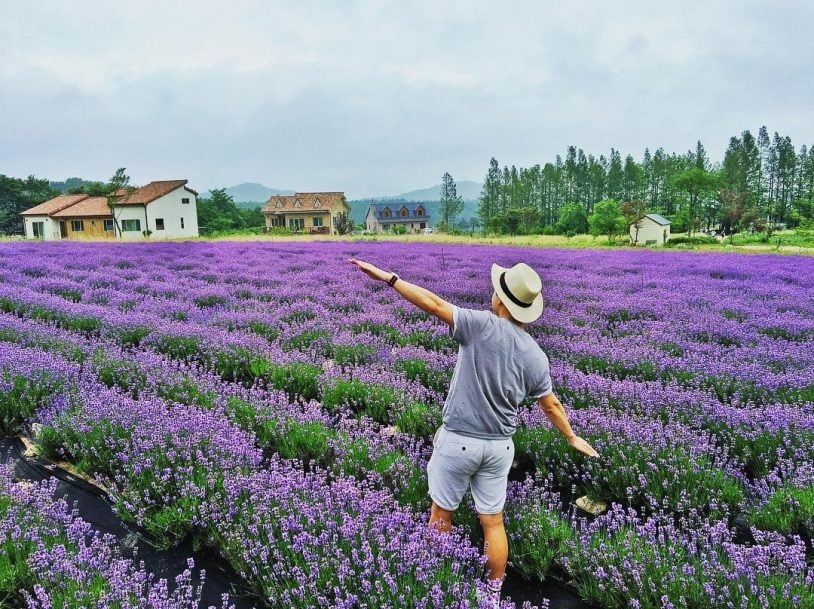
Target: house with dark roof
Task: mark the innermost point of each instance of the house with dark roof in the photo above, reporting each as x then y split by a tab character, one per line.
158	210
650	229
309	212
385	216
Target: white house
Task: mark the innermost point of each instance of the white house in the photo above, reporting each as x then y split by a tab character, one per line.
649	230
39	223
158	210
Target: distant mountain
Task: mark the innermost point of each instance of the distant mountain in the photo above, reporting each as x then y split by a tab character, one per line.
467	190
252	192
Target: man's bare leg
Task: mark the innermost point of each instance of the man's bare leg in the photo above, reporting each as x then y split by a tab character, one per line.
495	545
441	518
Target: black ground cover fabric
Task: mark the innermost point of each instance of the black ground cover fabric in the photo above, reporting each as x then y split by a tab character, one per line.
94	508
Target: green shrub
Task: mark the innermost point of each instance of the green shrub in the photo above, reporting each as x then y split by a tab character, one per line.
296	379
788	510
21	396
420	370
376	401
419	420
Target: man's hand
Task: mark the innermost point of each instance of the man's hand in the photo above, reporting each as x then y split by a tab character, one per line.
370	270
582	446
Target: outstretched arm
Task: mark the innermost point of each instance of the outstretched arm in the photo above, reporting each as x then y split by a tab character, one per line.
553	409
420	297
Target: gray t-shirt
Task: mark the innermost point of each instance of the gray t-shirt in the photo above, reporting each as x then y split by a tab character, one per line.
498	366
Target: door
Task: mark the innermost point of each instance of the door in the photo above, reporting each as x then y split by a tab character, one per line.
63	230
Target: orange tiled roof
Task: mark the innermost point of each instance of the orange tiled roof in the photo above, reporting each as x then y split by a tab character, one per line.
53	205
89	207
152	191
305	201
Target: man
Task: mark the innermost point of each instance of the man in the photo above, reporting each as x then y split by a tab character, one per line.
499	364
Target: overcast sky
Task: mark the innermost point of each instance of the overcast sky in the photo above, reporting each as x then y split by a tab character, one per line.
383	97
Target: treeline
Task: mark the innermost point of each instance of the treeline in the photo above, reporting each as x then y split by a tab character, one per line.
219	213
17	195
759	183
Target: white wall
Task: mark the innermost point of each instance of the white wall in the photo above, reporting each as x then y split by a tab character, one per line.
50	227
129	212
648	231
170	209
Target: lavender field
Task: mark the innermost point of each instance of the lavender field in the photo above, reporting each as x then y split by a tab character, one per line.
273	405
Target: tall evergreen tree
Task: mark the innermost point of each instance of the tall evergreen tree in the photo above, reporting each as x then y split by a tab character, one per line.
450	205
489	204
616	177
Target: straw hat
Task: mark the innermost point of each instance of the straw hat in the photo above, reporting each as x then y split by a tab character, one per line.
519	289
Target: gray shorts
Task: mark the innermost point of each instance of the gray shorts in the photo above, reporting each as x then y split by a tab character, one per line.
460	462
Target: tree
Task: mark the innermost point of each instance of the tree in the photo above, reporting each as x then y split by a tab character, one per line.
573	220
633	212
616	177
16	196
451	205
118	182
697	183
490	197
218	213
344	225
607	219
474	223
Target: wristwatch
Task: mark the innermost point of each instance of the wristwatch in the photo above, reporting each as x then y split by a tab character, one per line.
393	280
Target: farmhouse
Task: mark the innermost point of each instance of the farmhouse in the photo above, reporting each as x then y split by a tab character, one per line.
162	210
165	210
384	216
649	230
39	223
310	212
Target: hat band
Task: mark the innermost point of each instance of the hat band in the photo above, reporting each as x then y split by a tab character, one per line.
511	296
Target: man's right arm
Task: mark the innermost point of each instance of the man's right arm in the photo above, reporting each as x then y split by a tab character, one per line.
553	409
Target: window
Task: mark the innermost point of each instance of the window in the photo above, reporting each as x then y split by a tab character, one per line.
159	224
108	225
419	212
404	212
423	225
386	213
317	220
131	226
77	226
93	222
38	229
296	223
182	223
185	200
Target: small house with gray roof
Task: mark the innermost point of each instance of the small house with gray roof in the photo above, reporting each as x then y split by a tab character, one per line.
650	229
382	217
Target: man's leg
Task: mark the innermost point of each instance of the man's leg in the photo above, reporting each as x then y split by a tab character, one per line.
495	544
440	518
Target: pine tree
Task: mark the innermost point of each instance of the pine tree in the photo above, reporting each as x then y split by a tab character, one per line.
616	178
450	205
490	197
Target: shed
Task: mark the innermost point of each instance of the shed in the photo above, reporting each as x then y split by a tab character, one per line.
650	229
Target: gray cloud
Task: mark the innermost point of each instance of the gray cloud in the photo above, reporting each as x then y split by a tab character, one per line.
380	97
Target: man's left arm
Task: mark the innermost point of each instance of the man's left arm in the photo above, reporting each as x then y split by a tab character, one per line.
420	297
